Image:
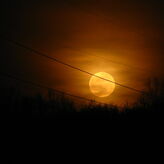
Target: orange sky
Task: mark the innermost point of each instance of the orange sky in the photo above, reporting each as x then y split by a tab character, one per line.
88	35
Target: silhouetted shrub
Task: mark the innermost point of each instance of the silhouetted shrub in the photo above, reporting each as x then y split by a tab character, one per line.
150	104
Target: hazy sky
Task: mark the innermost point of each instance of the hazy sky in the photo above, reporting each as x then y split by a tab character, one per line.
88	34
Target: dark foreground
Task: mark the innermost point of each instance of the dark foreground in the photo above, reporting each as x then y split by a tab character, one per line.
18	107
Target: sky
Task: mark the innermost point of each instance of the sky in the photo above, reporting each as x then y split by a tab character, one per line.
122	38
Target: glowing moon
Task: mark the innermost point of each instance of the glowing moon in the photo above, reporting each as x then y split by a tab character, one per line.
100	87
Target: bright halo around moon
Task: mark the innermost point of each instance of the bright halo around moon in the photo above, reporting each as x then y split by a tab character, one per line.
100	87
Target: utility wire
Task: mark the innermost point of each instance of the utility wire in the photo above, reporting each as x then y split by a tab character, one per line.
2	74
63	63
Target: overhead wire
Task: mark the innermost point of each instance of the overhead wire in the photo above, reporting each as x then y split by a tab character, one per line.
2	74
66	64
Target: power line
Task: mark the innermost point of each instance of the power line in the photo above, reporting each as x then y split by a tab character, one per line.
2	74
63	63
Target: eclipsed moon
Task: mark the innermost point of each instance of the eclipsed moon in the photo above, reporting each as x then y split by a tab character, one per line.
100	87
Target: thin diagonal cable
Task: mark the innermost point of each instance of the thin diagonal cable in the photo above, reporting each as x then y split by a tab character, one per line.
2	74
68	65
